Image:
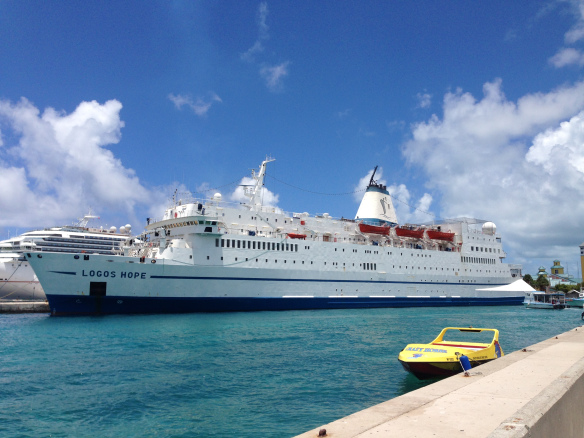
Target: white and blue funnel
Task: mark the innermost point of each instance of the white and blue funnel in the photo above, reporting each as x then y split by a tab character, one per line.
376	207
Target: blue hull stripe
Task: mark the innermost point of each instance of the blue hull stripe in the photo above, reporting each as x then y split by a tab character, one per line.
93	305
316	280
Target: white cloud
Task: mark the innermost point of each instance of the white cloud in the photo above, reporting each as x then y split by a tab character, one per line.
567	56
424	100
520	164
55	165
274	75
258	47
200	107
269	199
344	114
249	55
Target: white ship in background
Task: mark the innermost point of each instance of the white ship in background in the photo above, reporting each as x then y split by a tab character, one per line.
210	256
17	278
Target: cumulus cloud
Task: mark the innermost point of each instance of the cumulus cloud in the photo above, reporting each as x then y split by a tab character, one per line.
199	106
517	163
269	199
274	75
52	165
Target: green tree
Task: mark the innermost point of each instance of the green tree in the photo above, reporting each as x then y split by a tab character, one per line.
541	283
529	280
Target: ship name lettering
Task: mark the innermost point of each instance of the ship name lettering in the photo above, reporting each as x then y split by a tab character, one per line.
92	273
125	274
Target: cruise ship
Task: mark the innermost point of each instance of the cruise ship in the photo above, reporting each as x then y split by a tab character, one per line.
214	256
17	278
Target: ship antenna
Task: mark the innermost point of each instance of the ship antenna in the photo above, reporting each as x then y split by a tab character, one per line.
371	181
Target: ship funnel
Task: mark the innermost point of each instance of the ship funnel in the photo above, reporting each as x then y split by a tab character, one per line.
376	207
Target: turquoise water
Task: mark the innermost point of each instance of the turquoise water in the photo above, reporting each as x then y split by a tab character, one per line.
268	374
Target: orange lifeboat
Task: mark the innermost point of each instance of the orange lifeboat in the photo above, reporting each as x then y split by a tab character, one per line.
374	229
440	235
408	232
297	236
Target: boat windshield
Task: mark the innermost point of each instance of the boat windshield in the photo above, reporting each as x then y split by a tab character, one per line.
483	337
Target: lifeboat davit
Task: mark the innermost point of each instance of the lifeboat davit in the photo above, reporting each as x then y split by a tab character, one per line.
297	236
408	232
440	235
374	229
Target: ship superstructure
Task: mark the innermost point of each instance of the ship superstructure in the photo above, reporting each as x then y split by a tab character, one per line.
213	255
17	278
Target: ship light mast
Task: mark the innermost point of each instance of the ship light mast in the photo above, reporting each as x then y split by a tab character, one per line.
254	192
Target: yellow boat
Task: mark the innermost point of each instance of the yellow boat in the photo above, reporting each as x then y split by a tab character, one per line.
445	356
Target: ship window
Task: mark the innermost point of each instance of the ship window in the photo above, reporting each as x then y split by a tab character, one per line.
296	247
228	243
277	247
287	247
263	245
302	261
249	244
276	261
254	244
235	258
233	243
221	258
207	257
239	243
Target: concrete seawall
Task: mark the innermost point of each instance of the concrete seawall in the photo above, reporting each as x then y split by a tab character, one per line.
535	392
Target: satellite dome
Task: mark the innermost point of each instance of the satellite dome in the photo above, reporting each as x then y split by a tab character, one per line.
489	228
128	227
122	229
113	229
217	196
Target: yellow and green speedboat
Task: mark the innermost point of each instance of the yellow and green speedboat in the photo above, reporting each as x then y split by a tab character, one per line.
448	355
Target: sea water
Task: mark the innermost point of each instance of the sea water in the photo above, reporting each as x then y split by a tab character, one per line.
268	374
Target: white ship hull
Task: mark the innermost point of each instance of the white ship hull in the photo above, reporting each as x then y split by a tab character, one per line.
103	284
18	280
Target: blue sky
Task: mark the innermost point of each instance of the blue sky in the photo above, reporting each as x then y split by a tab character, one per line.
470	108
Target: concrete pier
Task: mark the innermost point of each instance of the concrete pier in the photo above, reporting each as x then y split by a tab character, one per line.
24	307
535	392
